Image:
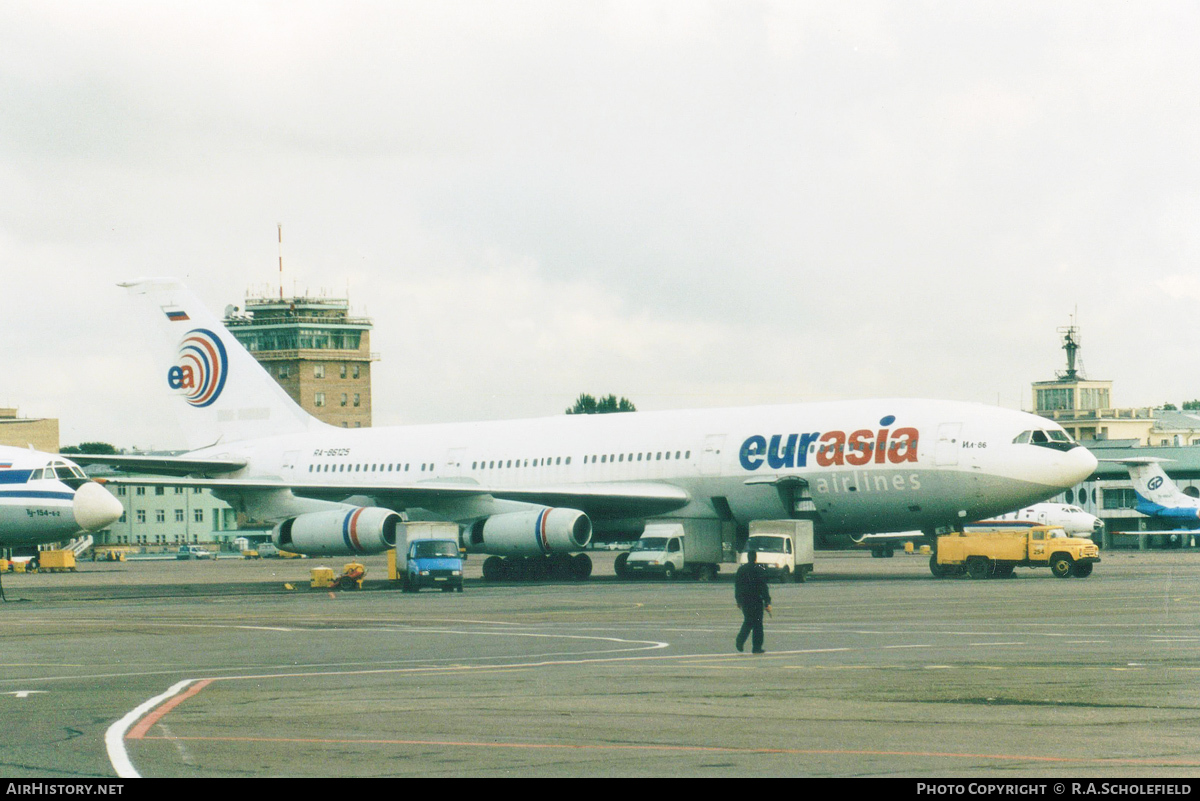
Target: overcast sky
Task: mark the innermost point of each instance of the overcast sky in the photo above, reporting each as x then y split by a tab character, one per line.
685	203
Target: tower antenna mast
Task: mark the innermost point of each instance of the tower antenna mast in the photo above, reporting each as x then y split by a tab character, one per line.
280	227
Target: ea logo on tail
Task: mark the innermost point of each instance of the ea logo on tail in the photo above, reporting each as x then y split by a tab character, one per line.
1154	483
200	371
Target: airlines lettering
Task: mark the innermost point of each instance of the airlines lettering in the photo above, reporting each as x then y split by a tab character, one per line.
833	448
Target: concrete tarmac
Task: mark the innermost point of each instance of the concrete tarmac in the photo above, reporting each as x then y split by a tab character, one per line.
873	668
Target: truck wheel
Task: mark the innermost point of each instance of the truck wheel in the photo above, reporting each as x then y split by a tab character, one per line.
938	570
619	565
669	572
1061	565
979	567
1082	570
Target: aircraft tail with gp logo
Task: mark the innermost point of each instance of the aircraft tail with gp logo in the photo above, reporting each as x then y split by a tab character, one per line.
221	394
1157	495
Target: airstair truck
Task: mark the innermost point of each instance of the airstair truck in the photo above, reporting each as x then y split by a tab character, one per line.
784	548
675	549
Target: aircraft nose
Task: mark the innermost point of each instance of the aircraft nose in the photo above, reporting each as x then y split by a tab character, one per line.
95	507
1080	463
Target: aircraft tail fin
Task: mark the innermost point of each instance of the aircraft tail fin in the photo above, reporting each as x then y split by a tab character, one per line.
220	393
1152	484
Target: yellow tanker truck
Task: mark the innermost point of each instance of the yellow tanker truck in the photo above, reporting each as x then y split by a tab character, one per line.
983	554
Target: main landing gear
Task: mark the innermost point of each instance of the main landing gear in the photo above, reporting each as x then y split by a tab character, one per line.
577	567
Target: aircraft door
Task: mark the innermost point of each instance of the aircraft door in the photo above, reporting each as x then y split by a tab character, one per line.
947	444
710	457
454	459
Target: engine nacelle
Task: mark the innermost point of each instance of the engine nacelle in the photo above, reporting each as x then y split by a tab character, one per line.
363	530
534	533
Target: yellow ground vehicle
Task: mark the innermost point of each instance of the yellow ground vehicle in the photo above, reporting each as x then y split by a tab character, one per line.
56	561
982	554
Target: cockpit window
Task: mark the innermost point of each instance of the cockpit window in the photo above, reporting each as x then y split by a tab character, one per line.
1046	438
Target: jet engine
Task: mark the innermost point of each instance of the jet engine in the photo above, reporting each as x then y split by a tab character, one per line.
534	533
361	530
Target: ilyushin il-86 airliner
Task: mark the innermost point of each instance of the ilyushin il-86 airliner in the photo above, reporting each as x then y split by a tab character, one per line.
544	487
47	498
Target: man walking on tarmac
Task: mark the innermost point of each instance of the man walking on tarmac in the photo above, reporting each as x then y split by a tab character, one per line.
752	596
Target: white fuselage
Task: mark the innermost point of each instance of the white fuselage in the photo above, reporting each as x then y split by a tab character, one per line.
1071	519
865	466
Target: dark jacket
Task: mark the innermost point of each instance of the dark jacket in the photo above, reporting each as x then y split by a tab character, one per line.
750	586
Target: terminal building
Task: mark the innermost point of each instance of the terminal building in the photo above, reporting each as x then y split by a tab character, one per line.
163	518
1084	408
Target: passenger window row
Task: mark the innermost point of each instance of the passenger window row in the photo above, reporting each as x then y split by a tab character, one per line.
503	464
656	456
368	468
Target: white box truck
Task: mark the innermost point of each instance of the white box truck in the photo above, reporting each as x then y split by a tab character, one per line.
783	547
677	548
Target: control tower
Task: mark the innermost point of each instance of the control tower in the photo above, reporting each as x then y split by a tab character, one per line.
317	352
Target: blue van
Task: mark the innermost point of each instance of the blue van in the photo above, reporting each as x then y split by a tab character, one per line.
433	563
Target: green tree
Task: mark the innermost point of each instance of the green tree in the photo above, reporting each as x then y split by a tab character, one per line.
587	404
1191	406
91	447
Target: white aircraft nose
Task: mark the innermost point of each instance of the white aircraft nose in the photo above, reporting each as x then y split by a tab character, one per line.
1080	463
95	507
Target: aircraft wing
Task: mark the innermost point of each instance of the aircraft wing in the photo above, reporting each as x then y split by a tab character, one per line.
602	501
161	465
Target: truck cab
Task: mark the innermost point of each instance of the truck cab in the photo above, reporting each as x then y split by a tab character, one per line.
433	563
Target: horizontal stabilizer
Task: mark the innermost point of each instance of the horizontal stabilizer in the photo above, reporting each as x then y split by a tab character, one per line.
161	465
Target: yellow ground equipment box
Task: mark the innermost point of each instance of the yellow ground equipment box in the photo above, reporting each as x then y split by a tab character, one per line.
56	561
322	578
